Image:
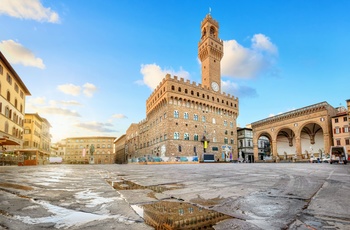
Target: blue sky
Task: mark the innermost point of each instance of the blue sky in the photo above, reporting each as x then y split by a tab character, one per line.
91	65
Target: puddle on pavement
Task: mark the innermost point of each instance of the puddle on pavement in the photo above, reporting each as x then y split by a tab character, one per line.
128	185
178	215
171	215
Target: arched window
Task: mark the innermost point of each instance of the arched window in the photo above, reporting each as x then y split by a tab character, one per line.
195	137
8	96
186	115
6	127
176	136
186	136
7	112
176	114
212	31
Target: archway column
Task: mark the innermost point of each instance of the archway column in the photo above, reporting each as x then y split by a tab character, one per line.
327	143
256	151
298	146
274	148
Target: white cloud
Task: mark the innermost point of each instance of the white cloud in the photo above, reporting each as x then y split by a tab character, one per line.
59	111
28	9
241	62
89	89
39	105
70	89
55	103
153	75
15	53
69	103
75	90
96	126
236	90
119	116
263	43
288	110
37	100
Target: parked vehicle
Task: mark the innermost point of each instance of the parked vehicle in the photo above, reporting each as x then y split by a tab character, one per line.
326	160
338	155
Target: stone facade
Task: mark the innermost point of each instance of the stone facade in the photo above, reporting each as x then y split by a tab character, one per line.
119	150
12	106
245	145
180	114
341	129
36	133
297	134
78	150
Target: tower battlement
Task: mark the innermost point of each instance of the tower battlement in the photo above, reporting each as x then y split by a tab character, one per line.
209	18
186	83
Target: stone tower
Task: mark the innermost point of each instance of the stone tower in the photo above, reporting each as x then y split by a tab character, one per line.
210	52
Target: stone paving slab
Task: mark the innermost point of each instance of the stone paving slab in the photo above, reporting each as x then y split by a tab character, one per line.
256	196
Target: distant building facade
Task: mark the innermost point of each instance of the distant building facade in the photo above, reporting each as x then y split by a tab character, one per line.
245	145
186	119
79	150
37	141
13	94
37	133
341	132
119	150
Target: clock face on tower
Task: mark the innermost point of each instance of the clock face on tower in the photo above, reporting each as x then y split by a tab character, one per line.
215	86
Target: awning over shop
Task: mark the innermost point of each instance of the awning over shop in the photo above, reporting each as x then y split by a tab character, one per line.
6	141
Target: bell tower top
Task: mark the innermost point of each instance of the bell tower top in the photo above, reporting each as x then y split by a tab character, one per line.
211	24
210	53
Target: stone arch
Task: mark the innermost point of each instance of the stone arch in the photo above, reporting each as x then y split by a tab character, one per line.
256	137
312	140
285	143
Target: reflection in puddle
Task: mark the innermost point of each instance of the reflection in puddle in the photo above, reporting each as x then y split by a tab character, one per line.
178	215
15	186
128	185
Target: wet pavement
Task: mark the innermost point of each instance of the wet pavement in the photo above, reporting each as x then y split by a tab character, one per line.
193	196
